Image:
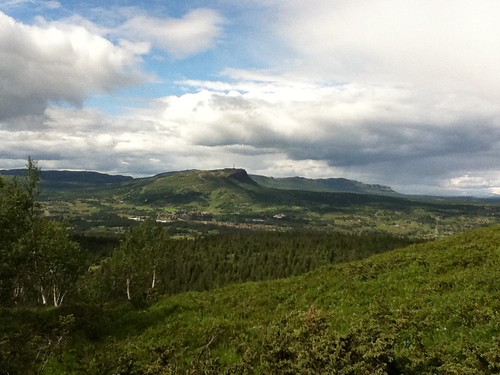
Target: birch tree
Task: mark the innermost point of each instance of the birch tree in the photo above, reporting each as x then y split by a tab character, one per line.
17	208
135	262
39	262
55	262
13	224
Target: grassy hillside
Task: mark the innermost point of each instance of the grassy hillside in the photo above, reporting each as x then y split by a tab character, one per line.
62	180
202	188
328	185
431	308
232	197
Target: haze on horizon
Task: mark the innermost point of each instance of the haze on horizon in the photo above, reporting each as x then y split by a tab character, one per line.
393	92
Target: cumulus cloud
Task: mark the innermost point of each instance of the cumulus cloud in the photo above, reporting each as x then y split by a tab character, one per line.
328	131
380	122
398	91
384	134
45	63
196	32
477	183
387	91
69	60
134	144
438	45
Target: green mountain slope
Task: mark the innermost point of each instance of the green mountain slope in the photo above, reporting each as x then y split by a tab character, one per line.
432	308
228	188
232	196
202	189
233	189
70	179
331	185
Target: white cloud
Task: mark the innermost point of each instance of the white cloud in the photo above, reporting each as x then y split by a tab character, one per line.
269	129
52	4
92	140
388	91
469	182
71	59
291	111
442	46
53	62
388	135
194	33
477	183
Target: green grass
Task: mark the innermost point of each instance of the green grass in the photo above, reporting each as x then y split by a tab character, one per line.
431	308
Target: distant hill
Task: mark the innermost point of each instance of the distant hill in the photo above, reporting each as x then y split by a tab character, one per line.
331	185
70	179
233	196
229	191
216	187
233	190
179	180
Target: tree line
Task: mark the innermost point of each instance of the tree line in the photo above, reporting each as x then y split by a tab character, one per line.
148	262
42	264
39	262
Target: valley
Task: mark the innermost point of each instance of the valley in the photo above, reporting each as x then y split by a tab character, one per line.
230	197
220	272
357	232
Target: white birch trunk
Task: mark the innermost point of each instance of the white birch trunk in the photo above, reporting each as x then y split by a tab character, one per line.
128	289
58	296
44	299
153	282
18	291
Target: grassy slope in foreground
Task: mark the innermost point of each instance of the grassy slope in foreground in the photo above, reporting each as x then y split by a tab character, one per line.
428	308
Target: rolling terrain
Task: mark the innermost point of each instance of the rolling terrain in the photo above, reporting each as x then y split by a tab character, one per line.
329	185
208	299
427	308
431	308
60	180
232	197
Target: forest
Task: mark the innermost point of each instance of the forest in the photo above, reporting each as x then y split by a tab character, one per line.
288	301
45	263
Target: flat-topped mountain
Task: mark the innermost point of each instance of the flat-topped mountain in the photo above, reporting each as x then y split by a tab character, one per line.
70	179
331	185
195	178
193	186
232	195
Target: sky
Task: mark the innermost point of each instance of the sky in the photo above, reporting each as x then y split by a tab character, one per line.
394	92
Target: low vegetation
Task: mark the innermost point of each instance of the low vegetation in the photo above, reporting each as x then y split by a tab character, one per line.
97	204
205	299
426	309
149	262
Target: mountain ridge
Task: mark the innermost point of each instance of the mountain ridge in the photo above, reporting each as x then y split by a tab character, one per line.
330	185
232	196
65	178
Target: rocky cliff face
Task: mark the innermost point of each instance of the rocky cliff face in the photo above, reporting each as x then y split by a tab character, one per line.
240	175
